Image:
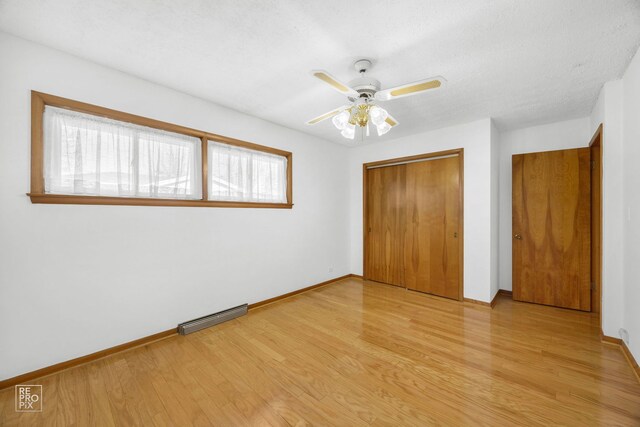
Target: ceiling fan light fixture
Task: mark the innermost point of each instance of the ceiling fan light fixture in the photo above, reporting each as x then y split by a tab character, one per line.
349	131
378	115
360	115
341	120
383	128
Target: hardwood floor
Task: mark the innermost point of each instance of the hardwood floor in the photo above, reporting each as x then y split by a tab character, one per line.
357	353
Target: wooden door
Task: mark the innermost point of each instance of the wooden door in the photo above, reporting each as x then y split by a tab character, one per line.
432	242
551	228
385	200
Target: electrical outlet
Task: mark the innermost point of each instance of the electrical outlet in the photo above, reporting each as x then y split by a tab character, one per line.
330	269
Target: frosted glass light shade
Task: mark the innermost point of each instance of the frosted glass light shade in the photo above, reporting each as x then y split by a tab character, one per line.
383	128
378	115
349	131
341	120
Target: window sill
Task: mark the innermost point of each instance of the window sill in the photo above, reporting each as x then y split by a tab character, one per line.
64	199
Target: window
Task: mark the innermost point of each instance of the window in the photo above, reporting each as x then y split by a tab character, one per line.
90	155
84	154
241	174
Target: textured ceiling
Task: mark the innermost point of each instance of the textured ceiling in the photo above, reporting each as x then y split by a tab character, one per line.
520	62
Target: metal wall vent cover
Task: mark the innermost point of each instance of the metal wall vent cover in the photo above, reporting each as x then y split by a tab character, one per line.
213	319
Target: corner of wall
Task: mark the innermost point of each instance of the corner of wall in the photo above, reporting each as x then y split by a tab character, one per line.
630	94
597	112
608	111
495	208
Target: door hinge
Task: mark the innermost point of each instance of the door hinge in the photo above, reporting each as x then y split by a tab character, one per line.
593	164
593	286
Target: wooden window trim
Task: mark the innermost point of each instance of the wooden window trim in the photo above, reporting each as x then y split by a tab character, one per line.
40	100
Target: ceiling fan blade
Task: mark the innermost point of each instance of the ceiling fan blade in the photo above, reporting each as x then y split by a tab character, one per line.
411	88
391	121
326	116
334	83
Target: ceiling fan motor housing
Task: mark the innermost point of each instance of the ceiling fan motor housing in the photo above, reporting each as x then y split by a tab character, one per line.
365	86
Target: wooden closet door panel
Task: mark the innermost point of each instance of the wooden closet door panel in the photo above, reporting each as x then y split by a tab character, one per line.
453	227
419	222
385	222
551	226
432	247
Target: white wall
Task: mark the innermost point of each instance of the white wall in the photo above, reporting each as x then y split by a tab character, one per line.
618	109
475	138
555	136
608	111
631	211
78	279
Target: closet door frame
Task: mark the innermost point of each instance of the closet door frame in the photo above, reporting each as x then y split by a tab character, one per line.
401	160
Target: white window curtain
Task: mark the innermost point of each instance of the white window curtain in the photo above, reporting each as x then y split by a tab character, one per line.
92	155
243	175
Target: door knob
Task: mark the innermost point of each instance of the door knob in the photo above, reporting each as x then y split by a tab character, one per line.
517	236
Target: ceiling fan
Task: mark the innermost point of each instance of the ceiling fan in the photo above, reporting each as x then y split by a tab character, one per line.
364	94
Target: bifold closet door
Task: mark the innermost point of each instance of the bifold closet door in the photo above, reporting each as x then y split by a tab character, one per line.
432	218
385	222
552	228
